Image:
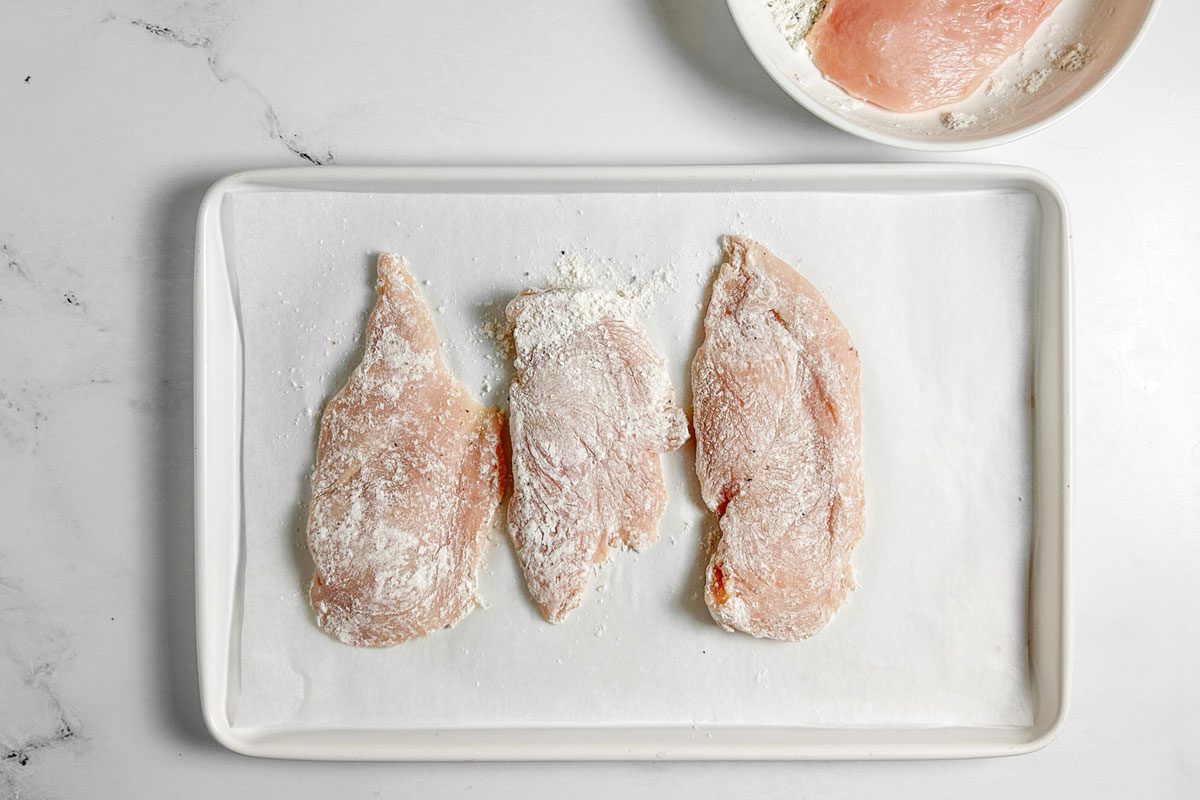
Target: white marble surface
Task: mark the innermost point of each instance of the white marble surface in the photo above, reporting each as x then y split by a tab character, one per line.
114	117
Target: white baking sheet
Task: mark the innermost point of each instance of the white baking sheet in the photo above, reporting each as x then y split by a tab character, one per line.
936	291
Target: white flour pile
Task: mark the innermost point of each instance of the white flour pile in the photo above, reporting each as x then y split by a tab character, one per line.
1034	81
1072	58
573	271
957	120
1067	58
795	18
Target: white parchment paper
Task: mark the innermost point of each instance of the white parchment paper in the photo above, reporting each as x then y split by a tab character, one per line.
936	292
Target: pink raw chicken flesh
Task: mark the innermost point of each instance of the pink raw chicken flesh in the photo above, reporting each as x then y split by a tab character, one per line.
408	477
590	409
777	418
912	55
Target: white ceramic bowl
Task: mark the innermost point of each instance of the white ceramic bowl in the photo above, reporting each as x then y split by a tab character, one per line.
1109	28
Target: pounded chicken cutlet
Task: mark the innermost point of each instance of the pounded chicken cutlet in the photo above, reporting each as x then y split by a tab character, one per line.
911	55
408	476
777	422
590	409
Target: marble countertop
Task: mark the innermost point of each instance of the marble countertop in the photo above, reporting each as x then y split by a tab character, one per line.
117	116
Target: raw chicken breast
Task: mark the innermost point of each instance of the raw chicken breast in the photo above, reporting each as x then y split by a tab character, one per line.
590	409
777	418
407	480
911	55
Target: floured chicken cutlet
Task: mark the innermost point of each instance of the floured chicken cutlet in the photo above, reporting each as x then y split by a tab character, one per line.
777	421
590	409
407	480
913	55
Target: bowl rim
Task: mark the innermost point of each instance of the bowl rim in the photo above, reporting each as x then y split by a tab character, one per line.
838	120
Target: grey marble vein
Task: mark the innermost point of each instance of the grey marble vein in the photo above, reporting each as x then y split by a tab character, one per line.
47	294
208	43
36	720
12	263
20	420
171	35
22	752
